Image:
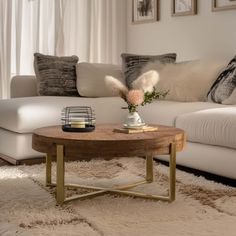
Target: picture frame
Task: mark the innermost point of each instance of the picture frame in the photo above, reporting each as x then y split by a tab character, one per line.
183	7
221	5
145	11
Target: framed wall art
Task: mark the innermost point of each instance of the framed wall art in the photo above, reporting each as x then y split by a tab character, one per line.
144	11
183	7
220	5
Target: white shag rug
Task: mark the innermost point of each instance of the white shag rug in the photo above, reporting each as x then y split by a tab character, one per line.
27	207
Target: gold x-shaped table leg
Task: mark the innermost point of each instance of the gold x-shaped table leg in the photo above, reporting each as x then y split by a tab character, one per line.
60	180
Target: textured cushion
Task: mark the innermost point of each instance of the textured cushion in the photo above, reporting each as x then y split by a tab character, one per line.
132	64
56	76
212	126
186	81
90	79
225	84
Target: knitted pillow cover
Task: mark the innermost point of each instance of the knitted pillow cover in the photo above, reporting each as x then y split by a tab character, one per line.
56	76
132	64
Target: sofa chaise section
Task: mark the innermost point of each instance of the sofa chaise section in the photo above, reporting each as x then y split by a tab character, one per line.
20	116
211	135
23	115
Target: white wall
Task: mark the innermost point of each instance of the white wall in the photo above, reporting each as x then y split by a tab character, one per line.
207	34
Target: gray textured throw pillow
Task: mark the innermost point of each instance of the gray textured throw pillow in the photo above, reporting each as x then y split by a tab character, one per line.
56	76
132	64
224	84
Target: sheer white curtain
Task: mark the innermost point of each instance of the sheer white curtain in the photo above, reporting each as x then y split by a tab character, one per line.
5	47
92	29
26	26
33	30
95	30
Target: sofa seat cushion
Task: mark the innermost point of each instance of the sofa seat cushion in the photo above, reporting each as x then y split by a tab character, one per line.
211	126
23	115
165	112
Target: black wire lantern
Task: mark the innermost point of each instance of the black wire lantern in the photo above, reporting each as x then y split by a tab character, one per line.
78	119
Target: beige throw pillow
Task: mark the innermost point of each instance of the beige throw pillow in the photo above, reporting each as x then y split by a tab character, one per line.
90	78
186	81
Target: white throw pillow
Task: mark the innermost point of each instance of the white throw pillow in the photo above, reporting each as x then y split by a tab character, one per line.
186	81
90	78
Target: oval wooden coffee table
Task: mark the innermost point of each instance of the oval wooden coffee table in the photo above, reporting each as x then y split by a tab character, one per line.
105	143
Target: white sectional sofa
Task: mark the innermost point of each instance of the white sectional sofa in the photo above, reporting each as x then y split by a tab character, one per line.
210	127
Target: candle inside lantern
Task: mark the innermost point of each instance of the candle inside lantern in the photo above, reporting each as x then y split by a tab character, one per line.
78	123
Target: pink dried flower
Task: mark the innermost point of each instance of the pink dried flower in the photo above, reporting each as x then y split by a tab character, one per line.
135	97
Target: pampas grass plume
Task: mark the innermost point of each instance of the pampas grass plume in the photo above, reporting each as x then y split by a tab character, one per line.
146	81
116	86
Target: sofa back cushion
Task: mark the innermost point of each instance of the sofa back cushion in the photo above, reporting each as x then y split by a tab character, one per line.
20	82
90	78
132	64
186	81
56	76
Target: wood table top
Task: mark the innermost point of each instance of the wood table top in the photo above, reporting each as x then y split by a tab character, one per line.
104	142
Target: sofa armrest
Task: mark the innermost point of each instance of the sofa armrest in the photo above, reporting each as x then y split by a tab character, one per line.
23	86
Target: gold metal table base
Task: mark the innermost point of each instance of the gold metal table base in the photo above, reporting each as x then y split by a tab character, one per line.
124	189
